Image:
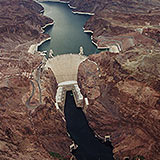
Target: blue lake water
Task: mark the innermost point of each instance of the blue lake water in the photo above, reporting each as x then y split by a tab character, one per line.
67	32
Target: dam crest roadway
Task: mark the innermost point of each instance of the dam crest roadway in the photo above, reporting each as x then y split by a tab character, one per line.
65	69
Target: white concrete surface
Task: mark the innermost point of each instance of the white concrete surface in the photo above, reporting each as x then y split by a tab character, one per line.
86	101
78	93
65	67
67	83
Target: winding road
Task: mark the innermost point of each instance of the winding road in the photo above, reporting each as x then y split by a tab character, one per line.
33	91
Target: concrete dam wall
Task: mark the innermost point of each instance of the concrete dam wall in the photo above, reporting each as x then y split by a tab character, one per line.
65	66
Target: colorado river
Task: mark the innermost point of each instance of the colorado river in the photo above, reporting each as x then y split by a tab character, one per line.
67	33
89	147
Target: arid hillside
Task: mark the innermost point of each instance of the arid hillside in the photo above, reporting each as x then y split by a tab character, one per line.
20	24
123	85
30	125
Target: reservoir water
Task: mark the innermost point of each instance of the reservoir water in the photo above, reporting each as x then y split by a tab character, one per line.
67	32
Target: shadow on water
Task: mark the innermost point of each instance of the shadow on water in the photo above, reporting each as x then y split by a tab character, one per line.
89	147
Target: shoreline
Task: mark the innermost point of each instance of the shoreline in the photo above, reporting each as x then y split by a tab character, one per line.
34	47
98	47
87	31
90	31
42	11
85	13
48	24
72	7
41	1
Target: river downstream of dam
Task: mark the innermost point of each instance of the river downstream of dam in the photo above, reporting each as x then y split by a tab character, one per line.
67	33
89	146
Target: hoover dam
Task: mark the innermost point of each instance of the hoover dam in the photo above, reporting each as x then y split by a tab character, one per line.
65	68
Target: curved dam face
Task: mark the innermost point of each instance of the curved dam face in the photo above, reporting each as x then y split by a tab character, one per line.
65	67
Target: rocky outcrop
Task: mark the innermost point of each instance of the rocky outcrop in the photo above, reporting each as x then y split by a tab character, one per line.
123	92
31	126
123	89
152	33
114	5
20	24
49	122
17	137
117	23
29	131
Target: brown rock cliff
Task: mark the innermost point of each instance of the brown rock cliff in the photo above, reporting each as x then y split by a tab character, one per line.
124	101
20	24
29	130
31	127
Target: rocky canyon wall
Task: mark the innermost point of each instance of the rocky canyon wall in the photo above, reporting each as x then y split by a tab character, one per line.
123	24
30	125
123	86
124	97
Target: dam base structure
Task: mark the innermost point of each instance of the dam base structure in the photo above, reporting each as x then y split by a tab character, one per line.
65	69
